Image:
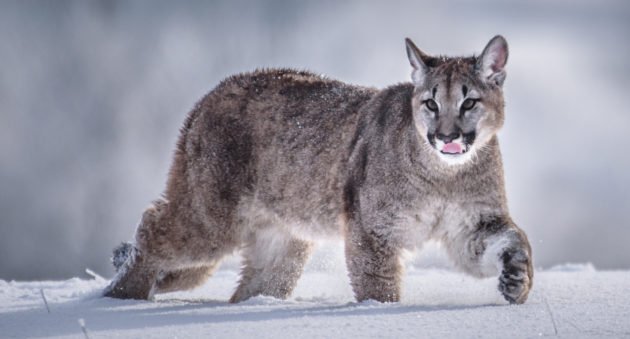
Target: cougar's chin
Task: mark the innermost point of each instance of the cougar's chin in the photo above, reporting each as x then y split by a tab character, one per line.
455	159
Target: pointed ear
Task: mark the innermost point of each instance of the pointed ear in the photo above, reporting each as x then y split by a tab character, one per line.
416	60
491	62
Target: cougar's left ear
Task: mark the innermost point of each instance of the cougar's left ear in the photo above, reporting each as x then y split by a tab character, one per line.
491	62
416	57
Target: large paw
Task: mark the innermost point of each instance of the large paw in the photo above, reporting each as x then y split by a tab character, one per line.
516	280
121	254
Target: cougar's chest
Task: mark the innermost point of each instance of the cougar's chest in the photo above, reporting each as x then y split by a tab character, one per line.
433	217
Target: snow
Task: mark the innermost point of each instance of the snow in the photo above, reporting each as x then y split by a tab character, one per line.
571	301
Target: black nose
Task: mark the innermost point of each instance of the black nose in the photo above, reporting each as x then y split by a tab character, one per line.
447	138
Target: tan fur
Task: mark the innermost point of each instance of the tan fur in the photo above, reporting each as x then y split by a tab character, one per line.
271	160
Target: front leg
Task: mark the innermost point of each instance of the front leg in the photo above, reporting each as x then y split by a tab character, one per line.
516	277
496	245
374	265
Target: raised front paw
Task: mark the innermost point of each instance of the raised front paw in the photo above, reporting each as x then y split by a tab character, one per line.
516	280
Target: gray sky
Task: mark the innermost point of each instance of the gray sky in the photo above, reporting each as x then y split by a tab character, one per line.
92	95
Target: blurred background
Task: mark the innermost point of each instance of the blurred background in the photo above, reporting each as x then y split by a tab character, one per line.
93	93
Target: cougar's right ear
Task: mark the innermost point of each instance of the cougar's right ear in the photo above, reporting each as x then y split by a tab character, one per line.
416	58
491	62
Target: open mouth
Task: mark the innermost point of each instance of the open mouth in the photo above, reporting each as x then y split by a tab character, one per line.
454	148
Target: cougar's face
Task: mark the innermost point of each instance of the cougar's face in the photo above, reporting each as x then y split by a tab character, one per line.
456	120
458	102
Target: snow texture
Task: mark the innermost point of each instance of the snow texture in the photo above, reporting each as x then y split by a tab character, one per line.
571	301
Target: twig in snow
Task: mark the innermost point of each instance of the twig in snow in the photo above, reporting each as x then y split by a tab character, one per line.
553	320
41	291
93	274
82	324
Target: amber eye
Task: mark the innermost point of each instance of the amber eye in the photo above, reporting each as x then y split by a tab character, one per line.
469	104
431	105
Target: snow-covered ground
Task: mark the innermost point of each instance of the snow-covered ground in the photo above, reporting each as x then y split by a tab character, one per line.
569	301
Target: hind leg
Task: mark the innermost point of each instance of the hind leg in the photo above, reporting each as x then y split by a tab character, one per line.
136	270
139	281
273	263
170	253
134	279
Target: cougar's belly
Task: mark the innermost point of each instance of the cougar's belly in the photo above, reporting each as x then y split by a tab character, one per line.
308	220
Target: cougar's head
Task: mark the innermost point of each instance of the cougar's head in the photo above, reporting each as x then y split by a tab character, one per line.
458	102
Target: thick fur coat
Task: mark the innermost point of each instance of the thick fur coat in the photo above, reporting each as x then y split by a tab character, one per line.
269	161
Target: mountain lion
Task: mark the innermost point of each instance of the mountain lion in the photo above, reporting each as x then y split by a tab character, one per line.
269	161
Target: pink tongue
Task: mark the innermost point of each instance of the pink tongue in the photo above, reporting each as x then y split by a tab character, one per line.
452	147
